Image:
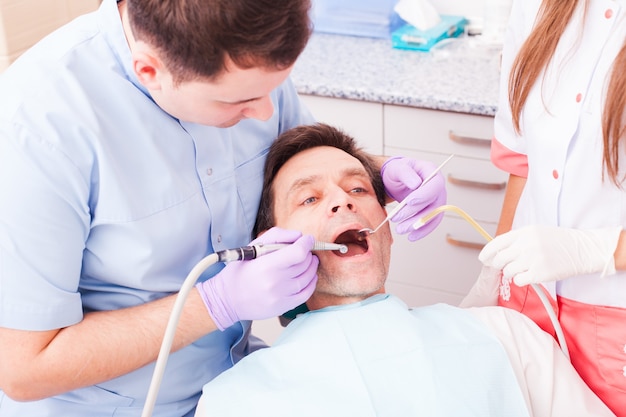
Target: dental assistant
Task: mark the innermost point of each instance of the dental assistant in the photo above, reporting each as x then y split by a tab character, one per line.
132	144
560	133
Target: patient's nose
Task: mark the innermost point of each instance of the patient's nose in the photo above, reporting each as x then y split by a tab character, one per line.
349	206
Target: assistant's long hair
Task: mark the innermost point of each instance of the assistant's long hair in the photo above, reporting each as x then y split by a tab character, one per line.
531	61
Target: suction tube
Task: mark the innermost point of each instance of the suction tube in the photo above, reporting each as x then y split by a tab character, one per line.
542	296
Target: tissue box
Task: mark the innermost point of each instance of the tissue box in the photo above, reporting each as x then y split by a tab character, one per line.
410	37
368	18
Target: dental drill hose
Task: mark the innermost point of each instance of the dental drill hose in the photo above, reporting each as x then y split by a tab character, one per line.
228	255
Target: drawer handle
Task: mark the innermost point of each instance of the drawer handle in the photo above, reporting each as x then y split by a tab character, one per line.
468	140
476	184
464	243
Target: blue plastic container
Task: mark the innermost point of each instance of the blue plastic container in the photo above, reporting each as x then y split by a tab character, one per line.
368	18
409	37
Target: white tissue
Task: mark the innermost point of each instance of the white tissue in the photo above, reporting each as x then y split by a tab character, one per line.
419	13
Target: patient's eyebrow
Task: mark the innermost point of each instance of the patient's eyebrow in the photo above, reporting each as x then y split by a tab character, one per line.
303	182
356	172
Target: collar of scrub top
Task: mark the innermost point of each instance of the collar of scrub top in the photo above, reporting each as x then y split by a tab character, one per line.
290	315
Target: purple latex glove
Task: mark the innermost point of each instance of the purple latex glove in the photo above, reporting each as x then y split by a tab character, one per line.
401	177
266	286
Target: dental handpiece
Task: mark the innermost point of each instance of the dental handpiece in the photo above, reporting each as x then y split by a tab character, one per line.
246	253
243	253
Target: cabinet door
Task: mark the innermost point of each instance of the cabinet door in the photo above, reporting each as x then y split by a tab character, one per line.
361	120
474	185
443	266
438	131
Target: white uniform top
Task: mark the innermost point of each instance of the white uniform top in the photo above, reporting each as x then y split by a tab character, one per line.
562	136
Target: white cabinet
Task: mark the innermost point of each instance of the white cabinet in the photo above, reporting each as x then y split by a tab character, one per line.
443	266
360	119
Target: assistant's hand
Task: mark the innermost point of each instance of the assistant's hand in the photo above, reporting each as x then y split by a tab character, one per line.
535	254
402	176
266	286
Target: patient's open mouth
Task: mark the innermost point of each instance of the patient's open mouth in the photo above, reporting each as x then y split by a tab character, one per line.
356	243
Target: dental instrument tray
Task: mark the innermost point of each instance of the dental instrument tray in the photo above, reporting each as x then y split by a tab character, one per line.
410	37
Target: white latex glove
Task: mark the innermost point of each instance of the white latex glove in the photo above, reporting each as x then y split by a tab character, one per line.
535	254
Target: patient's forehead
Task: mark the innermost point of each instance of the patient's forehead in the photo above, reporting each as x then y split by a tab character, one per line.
321	161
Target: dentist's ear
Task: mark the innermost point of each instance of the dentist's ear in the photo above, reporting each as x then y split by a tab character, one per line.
148	68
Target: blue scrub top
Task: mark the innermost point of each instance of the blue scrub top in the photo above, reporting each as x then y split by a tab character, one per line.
108	202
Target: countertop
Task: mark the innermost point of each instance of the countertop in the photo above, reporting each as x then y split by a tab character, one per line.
460	75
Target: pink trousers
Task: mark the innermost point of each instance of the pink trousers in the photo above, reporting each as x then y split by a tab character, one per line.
595	337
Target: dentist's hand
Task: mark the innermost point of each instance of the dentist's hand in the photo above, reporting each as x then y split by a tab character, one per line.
266	286
401	177
535	254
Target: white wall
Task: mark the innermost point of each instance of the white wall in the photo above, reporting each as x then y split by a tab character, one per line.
24	22
490	16
472	9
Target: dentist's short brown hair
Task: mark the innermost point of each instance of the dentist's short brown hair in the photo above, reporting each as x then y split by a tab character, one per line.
196	38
